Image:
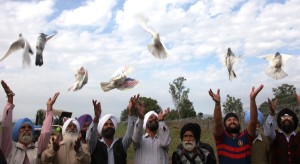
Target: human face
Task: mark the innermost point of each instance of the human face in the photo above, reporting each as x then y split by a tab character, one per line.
232	125
71	128
25	134
188	141
108	129
152	123
85	126
287	123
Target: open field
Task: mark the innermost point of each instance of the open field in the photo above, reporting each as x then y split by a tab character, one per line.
206	136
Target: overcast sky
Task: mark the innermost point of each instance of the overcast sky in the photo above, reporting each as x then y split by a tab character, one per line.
104	35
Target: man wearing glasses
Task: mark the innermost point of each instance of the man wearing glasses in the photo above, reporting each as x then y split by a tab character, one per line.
285	142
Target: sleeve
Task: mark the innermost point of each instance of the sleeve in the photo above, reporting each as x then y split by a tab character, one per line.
138	132
45	136
164	135
48	155
209	160
127	139
83	155
269	129
92	137
6	135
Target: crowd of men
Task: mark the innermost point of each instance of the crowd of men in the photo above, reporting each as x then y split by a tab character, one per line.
92	139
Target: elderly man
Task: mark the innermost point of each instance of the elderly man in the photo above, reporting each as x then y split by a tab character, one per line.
260	153
232	145
152	147
190	152
285	142
69	150
108	149
17	144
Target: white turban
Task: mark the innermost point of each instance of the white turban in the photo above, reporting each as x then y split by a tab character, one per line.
103	119
147	115
68	122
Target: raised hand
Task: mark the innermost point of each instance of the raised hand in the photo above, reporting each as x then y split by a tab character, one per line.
133	102
254	93
97	110
51	101
9	93
161	116
272	106
77	144
140	110
55	142
215	97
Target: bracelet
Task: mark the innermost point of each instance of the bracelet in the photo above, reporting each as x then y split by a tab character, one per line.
9	94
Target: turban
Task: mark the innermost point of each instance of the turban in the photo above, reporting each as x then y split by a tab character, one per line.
73	120
289	112
230	115
260	117
86	118
147	115
18	125
104	119
194	128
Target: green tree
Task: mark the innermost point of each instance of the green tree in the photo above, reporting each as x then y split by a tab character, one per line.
173	115
179	92
286	96
233	105
150	104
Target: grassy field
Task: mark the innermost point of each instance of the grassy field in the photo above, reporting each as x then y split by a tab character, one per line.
206	136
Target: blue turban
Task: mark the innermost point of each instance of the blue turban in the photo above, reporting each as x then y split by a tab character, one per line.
260	117
83	119
17	126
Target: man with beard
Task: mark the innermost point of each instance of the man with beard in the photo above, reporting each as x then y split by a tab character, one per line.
153	146
285	143
233	146
69	150
190	152
17	142
260	153
108	149
84	123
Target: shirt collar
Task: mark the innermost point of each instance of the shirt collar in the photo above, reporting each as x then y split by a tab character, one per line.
258	137
112	144
292	134
146	135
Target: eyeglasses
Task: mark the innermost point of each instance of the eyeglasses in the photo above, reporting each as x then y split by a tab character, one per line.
286	116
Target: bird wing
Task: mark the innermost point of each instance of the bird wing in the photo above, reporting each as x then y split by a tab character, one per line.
15	46
143	23
128	84
285	58
48	38
121	72
107	86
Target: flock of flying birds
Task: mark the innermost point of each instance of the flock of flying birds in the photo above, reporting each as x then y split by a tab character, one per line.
119	79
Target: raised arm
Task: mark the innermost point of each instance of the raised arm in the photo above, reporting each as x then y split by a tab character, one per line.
127	139
270	124
164	132
92	131
253	110
6	134
218	126
138	127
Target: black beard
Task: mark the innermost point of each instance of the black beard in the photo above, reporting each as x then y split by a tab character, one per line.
153	126
287	128
108	133
233	130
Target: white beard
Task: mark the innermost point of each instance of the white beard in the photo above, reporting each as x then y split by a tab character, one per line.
70	137
189	145
25	138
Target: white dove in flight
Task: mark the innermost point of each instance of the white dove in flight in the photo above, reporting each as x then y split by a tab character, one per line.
81	78
120	80
276	62
40	45
229	61
156	48
21	43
